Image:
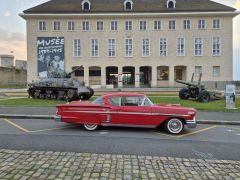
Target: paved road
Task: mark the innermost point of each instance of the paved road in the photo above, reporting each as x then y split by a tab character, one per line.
204	142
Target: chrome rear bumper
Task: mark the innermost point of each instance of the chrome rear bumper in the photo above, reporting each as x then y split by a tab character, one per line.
57	118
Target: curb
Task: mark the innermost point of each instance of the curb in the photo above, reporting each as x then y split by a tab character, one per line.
48	117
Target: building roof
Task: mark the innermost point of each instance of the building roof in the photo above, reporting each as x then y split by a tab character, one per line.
116	6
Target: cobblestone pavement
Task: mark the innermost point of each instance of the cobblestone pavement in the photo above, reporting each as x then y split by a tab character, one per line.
66	165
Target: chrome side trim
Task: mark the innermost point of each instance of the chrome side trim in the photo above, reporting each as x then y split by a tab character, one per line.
126	125
129	113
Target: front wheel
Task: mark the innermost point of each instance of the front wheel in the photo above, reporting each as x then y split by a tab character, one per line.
90	127
174	126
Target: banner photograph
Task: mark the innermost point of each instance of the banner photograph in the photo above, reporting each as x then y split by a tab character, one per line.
50	56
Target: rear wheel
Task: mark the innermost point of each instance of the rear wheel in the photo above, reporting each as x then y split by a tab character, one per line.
90	127
174	126
184	93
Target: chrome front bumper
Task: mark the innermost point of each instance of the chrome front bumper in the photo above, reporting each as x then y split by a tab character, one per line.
191	123
57	118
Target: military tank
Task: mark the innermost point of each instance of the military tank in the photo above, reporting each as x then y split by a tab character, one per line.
61	87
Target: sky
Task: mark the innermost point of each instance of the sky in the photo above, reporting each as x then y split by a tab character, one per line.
13	29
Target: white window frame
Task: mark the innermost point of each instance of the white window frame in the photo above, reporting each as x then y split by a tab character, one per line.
128	25
157	25
214	71
114	25
85	26
171	25
94	43
146	47
71	25
112	46
200	70
198	55
128	53
202	24
56	24
42	26
89	4
214	49
100	26
125	5
163	53
186	24
77	48
143	25
216	24
180	50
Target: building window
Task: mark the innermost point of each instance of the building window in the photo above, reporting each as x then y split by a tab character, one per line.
216	46
216	70
86	5
128	4
146	47
171	4
128	25
100	26
163	73
77	48
201	24
114	26
163	47
198	46
180	47
186	24
111	47
198	70
85	26
172	25
143	25
71	25
94	48
56	26
42	26
157	25
128	47
216	24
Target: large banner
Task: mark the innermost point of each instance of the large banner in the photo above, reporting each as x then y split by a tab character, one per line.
50	56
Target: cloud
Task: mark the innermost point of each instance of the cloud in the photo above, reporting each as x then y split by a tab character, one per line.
13	41
7	13
237	4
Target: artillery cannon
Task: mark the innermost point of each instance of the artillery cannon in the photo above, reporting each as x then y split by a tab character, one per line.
60	86
197	91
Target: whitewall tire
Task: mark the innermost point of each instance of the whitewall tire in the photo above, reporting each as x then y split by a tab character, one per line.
90	127
174	126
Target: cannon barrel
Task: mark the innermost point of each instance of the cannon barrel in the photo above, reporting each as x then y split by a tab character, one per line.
68	75
186	83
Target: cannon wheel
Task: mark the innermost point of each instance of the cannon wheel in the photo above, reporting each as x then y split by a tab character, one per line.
204	96
184	93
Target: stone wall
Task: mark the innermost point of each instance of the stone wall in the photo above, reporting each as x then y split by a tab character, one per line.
12	76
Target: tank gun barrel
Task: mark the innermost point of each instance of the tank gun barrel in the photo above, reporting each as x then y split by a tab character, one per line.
77	68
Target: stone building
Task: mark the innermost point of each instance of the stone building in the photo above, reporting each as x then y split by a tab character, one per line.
6	60
131	43
21	64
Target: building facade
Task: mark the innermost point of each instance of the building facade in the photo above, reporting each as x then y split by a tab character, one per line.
130	43
6	60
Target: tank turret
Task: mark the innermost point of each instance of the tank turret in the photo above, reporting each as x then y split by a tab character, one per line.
60	86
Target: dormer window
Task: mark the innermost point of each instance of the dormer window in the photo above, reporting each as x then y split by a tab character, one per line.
86	5
171	4
128	4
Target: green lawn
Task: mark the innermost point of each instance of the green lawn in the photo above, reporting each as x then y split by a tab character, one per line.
12	86
218	105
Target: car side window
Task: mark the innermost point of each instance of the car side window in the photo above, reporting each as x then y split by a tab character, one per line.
131	101
115	101
147	102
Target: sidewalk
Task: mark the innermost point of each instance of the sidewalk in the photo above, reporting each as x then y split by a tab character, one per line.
203	117
69	165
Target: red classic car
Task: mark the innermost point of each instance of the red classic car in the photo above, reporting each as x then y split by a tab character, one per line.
126	109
